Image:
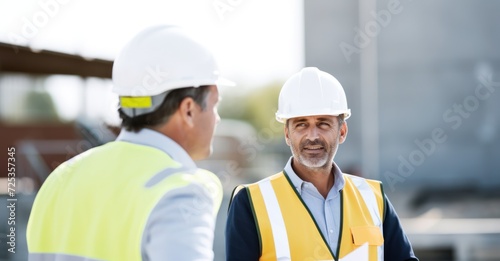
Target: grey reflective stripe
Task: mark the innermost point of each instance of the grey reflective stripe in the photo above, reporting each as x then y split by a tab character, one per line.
371	203
58	257
280	235
165	173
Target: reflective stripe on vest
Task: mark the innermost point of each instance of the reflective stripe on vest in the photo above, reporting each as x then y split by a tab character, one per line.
96	206
276	218
288	231
370	199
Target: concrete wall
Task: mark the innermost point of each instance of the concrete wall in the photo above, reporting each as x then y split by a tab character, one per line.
431	57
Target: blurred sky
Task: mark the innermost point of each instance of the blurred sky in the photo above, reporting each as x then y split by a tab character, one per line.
256	42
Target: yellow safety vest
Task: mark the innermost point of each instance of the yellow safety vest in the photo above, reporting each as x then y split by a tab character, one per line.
288	231
96	205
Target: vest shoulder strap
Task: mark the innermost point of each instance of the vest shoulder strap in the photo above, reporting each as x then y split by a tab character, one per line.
371	192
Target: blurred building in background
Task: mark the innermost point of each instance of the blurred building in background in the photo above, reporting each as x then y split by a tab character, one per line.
422	79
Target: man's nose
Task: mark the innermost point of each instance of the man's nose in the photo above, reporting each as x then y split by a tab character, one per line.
312	133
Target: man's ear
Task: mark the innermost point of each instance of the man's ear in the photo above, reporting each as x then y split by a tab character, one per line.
343	132
287	138
187	111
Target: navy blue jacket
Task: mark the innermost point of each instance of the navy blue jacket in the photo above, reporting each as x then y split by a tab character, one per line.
242	240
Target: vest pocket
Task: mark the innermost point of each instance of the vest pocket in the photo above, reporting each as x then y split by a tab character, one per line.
367	234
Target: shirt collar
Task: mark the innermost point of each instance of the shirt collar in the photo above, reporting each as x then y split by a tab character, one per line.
159	141
297	182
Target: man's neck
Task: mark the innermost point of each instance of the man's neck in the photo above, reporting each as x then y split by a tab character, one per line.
322	178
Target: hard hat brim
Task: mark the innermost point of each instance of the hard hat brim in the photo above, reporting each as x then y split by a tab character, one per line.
225	82
283	118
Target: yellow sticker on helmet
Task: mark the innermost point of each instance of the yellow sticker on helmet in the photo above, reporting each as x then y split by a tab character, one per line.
135	102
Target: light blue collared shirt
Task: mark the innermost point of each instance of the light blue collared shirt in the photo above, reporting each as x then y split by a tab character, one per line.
157	140
326	212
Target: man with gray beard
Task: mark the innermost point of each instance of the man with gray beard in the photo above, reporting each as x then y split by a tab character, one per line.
311	210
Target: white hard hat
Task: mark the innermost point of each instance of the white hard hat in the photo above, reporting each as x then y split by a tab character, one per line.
157	60
311	92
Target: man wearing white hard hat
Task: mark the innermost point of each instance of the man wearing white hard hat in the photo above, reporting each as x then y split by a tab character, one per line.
141	197
311	210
